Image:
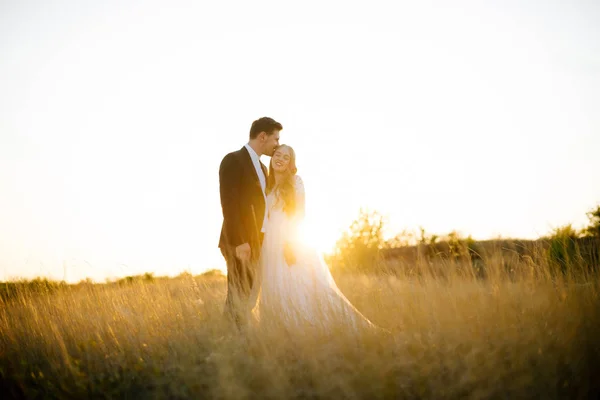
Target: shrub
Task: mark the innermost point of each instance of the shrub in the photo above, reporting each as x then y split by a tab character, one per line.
593	229
358	248
563	251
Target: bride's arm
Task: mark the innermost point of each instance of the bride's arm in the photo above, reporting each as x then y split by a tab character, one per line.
300	198
292	244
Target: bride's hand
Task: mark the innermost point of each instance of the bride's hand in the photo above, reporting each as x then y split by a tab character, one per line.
289	254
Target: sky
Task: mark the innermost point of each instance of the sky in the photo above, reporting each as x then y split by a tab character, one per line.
476	116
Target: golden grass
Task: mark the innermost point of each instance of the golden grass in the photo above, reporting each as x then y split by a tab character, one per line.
457	337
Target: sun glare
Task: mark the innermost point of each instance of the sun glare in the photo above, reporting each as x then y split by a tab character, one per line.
316	236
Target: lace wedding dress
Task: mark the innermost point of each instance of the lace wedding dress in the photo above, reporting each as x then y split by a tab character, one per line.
302	294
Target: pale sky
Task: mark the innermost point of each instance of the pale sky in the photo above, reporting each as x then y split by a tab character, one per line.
478	116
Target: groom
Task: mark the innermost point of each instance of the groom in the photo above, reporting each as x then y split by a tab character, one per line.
243	182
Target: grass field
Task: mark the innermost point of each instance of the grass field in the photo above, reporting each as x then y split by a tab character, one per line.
535	336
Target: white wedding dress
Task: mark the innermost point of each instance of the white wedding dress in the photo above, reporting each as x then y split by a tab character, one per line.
302	294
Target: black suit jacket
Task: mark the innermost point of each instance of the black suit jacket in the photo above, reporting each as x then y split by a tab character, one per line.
242	201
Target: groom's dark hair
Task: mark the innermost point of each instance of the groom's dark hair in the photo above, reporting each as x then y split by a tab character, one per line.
264	124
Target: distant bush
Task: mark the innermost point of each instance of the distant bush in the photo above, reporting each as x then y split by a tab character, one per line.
593	229
563	252
147	277
358	248
212	273
37	286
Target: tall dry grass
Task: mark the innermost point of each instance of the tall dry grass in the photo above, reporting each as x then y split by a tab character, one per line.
534	334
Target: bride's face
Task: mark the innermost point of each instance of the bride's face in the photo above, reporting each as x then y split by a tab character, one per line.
281	159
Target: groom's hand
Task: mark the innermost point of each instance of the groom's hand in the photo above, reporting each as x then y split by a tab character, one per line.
289	254
243	252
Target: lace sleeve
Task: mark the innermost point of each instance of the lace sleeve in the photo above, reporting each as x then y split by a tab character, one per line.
300	197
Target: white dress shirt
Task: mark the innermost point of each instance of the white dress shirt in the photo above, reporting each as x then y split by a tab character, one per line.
261	178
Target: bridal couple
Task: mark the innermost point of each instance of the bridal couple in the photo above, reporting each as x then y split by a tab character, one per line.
271	276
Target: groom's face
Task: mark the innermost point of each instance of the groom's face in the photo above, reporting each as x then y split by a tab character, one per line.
270	143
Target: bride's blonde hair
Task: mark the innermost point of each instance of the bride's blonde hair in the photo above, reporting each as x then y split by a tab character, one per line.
286	190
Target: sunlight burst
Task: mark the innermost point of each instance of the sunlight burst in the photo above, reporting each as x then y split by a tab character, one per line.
316	236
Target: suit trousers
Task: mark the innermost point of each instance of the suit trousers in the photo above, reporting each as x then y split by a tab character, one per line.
240	278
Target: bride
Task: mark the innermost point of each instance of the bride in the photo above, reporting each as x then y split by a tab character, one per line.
294	286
